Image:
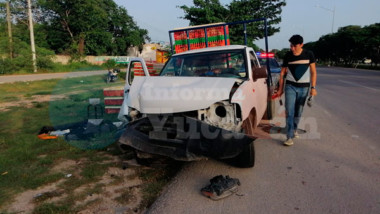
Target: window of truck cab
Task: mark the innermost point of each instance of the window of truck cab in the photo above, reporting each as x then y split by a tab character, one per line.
226	63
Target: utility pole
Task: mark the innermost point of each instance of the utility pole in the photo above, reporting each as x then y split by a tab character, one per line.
9	30
32	36
333	15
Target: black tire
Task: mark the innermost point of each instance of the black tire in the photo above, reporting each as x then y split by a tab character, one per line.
246	159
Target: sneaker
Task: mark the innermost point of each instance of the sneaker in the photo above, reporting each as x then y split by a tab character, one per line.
221	187
288	142
296	135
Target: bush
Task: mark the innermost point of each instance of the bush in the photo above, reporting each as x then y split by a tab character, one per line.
122	75
22	58
110	64
44	59
6	66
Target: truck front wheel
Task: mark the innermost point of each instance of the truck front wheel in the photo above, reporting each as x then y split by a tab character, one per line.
246	158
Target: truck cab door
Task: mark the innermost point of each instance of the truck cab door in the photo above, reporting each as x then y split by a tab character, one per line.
259	77
136	68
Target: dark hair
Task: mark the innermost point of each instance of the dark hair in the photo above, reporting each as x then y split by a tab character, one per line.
296	39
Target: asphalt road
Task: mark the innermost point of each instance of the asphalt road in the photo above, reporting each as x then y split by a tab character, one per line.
333	168
33	77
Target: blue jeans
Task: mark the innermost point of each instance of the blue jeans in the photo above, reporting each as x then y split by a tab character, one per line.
295	98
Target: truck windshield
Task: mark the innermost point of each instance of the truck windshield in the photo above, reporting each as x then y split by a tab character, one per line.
228	63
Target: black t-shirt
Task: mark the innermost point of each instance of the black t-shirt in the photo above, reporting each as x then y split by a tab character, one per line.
299	67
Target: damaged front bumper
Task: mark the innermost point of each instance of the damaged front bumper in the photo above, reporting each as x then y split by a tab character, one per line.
183	138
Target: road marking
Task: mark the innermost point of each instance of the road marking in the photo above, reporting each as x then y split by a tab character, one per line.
355	84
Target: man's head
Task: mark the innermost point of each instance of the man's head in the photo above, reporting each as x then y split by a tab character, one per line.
296	44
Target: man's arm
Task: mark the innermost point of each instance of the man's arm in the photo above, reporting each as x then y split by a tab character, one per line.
313	79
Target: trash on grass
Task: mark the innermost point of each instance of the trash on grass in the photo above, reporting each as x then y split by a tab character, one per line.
47	136
60	132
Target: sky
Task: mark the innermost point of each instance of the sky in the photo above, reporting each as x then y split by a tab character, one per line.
309	18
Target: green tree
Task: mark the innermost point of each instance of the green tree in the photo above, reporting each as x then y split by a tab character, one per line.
76	18
281	54
204	12
349	45
211	11
93	26
21	61
371	42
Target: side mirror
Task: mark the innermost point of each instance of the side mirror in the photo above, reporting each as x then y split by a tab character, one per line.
259	73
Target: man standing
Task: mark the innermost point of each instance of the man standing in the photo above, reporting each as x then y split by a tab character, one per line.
302	75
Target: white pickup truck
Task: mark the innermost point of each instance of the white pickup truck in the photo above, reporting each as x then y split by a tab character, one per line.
205	103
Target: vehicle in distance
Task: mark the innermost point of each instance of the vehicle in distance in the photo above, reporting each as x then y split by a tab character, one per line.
274	66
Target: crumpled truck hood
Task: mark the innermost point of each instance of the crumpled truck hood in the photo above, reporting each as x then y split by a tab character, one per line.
161	95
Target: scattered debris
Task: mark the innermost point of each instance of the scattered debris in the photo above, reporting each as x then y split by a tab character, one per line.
60	132
221	187
45	131
4	173
47	136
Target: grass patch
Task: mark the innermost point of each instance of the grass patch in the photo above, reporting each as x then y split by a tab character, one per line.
16	91
26	161
50	208
93	170
37	93
126	196
155	180
9	99
89	191
21	150
46	196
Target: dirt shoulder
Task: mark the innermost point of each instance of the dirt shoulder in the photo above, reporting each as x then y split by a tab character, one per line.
119	190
